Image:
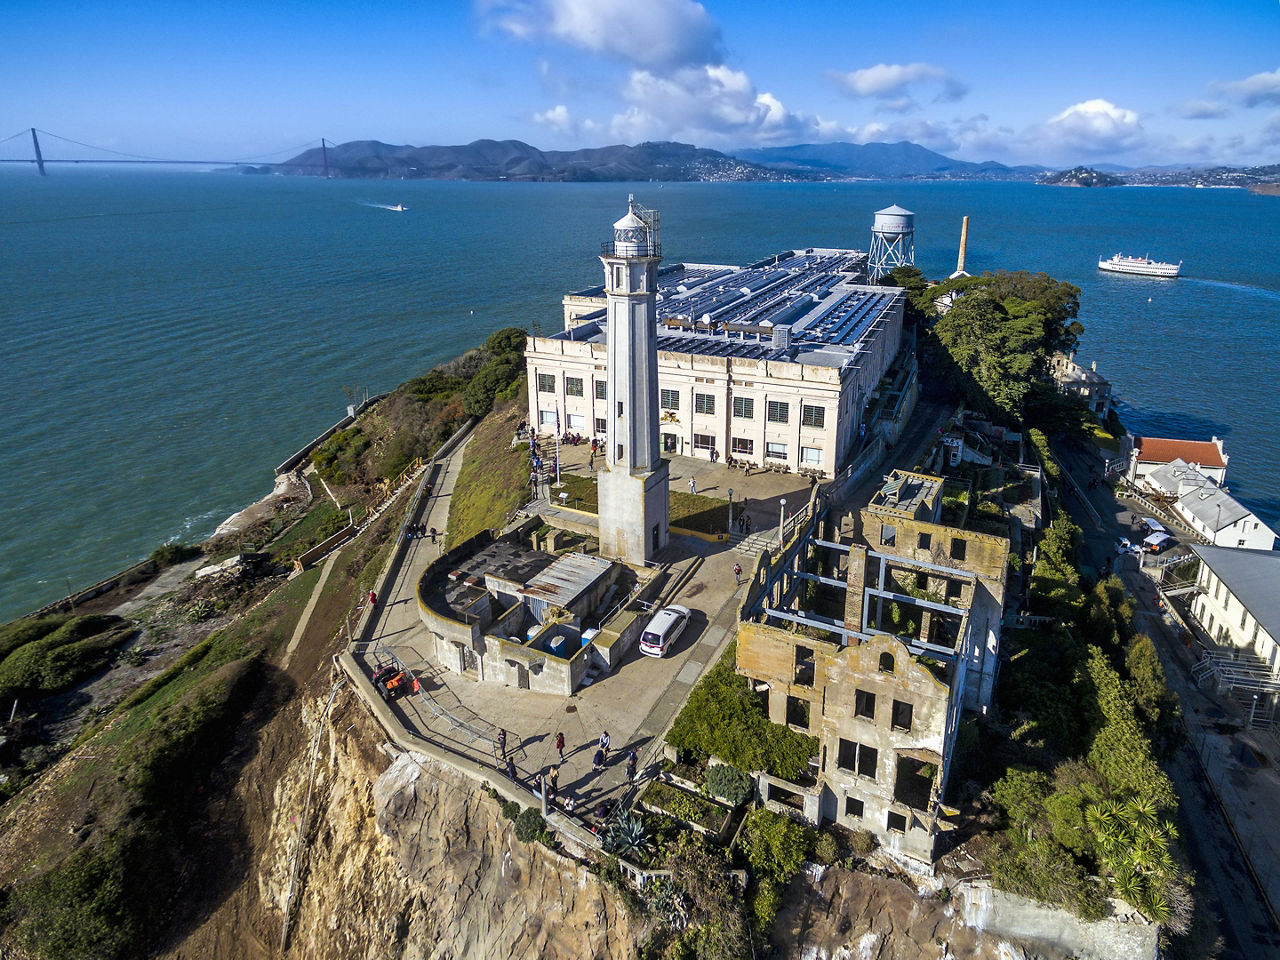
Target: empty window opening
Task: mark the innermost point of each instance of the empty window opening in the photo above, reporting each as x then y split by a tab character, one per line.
913	784
788	798
867	757
958	548
924	541
896	822
853	807
847	755
902	715
954	588
864	704
804	666
886	663
888	534
798	712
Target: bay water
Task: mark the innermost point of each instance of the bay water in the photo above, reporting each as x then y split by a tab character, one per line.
171	336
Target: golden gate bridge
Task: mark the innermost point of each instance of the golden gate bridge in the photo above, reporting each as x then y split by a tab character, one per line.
115	156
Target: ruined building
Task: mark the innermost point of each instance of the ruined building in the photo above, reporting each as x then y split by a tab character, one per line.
875	647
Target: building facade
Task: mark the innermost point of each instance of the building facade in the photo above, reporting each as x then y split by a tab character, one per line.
1084	383
1150	453
1207	508
771	365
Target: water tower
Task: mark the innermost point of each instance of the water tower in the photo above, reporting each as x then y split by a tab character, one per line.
893	241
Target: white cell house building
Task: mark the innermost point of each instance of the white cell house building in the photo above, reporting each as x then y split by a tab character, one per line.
772	364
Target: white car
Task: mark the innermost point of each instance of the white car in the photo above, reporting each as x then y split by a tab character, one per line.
1124	546
664	629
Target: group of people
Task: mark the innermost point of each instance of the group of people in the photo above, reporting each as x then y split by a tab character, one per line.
743	519
548	782
418	531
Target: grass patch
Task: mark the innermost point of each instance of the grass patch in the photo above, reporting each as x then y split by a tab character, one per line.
319	523
493	480
693	511
58	659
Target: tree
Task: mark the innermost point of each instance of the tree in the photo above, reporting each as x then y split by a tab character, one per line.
506	341
775	844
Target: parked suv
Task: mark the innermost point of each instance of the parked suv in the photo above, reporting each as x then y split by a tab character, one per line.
663	630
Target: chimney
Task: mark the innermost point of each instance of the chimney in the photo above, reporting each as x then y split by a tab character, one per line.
964	243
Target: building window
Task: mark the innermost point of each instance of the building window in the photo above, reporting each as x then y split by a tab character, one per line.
886	663
546	383
924	541
896	822
744	447
805	666
811	456
576	421
853	807
619	451
867	761
704	441
775	451
669	399
602	425
798	712
546	418
888	535
958	548
617	277
573	386
864	704
902	715
619	408
954	587
601	390
922	581
704	403
778	412
812	416
1216	587
744	408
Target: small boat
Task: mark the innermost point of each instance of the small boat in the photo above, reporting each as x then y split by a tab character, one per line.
399	208
1140	266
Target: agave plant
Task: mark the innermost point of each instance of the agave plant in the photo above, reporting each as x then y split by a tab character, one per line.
627	837
667	900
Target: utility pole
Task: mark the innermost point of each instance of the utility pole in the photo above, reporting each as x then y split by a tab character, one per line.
39	156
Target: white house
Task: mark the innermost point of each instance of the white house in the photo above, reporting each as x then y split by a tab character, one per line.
1239	600
1149	453
1208	509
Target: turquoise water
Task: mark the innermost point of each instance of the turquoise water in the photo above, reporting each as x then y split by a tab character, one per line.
170	337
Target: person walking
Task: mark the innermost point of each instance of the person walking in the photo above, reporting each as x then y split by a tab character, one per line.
373	599
632	760
597	762
560	745
604	743
693	485
502	742
553	780
737	574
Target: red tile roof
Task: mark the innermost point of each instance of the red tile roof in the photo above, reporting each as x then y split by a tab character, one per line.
1159	450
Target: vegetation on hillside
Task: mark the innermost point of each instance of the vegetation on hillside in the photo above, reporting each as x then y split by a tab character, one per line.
494	477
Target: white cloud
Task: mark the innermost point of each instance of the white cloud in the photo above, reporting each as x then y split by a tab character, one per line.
710	105
1261	88
1202	110
1095	127
557	118
892	82
646	33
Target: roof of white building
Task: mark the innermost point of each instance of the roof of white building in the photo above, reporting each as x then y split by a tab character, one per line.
1252	577
724	311
1209	504
1207	453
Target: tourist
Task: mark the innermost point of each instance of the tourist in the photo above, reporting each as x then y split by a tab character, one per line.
632	760
432	533
604	742
560	745
693	485
570	804
502	742
597	761
737	574
373	599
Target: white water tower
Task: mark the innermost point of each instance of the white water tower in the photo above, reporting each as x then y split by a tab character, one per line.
893	241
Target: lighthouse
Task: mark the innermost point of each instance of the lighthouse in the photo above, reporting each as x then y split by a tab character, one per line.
634	511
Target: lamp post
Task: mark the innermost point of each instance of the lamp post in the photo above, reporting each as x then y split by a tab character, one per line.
731	510
782	523
1253	710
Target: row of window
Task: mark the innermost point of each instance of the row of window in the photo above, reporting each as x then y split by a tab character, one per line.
895	822
744	408
864	706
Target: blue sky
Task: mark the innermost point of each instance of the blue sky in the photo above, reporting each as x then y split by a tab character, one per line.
1128	82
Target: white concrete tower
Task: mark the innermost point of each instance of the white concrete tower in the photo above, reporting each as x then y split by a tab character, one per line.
634	512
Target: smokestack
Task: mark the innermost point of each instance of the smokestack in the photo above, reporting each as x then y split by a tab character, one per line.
964	242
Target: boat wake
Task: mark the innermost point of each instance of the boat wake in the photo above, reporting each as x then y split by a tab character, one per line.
1241	287
397	207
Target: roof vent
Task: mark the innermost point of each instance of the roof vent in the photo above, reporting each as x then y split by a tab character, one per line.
782	337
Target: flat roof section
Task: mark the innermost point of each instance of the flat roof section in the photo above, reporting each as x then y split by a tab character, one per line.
906	492
505	560
565	580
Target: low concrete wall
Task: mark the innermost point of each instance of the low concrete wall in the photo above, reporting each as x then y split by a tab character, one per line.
345	422
1125	935
320	549
134	574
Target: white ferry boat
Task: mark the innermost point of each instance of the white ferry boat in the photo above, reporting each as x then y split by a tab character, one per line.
1141	266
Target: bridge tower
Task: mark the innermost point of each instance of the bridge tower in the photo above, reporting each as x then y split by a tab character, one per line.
35	141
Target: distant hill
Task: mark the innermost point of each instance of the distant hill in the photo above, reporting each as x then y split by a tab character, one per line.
1080	177
515	160
880	161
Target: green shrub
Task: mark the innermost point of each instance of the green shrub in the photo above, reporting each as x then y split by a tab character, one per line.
167	554
723	718
21	632
774	844
529	825
765	903
826	848
59	660
338	458
729	783
862	842
1043	870
511	809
